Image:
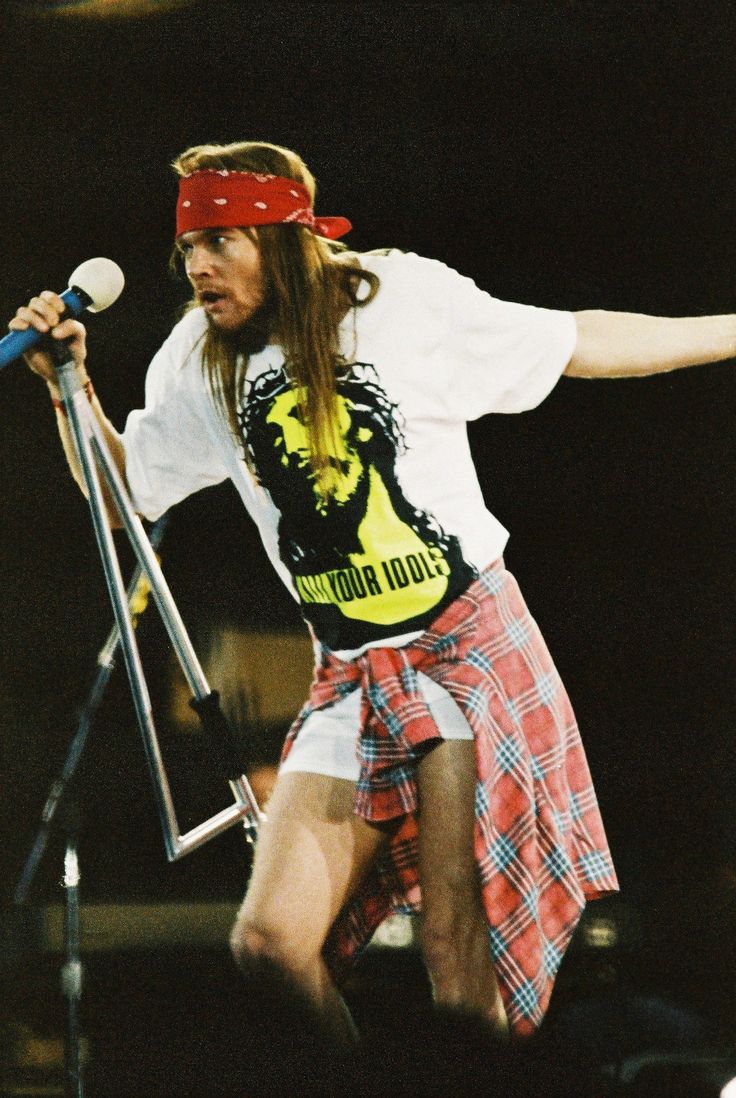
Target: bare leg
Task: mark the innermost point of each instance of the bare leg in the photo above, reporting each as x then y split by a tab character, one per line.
454	934
311	854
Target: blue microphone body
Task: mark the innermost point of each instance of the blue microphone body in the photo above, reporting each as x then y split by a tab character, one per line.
15	344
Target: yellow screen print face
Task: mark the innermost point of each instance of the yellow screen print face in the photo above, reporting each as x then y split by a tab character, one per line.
394	575
339	479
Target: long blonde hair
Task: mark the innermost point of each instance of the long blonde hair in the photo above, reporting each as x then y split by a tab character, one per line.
311	283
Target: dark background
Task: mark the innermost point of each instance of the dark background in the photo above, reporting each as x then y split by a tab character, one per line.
573	155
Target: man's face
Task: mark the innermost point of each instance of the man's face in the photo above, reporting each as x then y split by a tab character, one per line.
224	267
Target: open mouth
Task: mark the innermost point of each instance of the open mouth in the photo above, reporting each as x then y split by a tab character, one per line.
210	297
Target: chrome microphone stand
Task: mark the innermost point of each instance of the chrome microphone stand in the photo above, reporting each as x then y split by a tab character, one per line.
94	458
72	973
137	598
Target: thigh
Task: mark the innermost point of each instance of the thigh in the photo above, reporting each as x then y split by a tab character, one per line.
447	869
311	854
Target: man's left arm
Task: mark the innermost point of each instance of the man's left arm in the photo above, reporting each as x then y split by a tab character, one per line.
633	345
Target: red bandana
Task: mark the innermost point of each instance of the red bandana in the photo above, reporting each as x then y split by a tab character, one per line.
226	199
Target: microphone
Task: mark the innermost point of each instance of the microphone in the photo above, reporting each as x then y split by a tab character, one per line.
94	285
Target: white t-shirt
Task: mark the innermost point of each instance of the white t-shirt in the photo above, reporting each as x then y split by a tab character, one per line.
406	529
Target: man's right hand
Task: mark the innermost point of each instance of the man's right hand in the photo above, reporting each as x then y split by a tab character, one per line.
43	313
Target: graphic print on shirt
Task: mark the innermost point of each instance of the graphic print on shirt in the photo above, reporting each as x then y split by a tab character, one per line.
366	563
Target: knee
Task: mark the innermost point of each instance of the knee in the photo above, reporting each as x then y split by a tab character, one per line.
451	933
248	942
439	939
254	942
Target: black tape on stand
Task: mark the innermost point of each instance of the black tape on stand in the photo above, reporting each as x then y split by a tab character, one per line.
219	733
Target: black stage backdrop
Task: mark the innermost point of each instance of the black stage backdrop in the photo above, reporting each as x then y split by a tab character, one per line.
573	155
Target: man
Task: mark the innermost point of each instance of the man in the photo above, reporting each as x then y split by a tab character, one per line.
437	764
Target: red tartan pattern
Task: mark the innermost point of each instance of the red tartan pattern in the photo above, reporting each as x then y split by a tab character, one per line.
540	845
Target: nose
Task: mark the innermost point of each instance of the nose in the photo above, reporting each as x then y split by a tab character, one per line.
198	262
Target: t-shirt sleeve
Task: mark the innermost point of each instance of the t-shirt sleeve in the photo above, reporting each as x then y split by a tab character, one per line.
170	449
496	356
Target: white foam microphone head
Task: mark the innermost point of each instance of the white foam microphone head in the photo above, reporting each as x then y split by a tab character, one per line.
101	279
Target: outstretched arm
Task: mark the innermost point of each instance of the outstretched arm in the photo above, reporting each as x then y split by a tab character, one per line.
632	345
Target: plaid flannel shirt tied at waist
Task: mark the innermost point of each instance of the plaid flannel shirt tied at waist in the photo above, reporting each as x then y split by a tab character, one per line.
539	841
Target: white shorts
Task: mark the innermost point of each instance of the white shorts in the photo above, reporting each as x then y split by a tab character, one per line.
328	739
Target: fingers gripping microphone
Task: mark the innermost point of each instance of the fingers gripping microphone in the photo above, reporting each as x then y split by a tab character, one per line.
94	285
